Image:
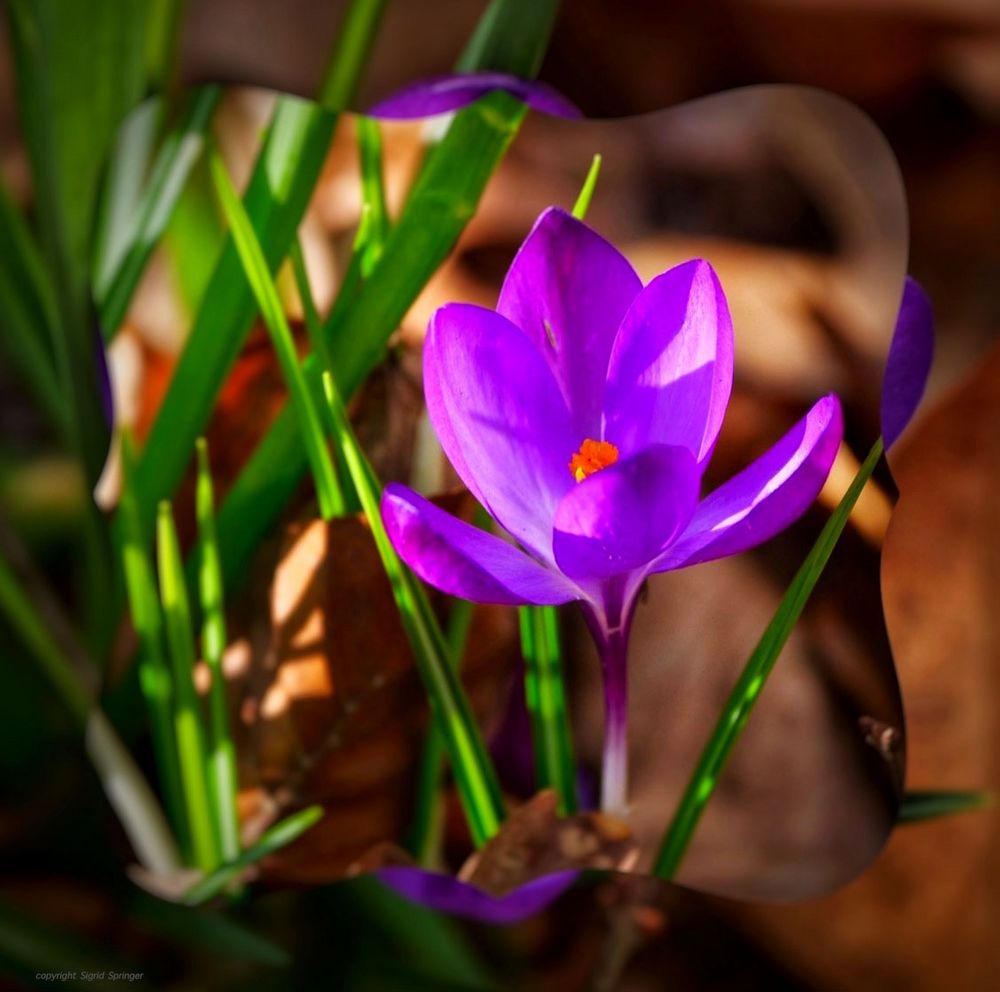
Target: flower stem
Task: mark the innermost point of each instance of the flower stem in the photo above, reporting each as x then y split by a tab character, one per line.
610	632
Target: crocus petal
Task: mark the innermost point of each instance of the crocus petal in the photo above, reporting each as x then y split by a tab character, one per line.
500	418
462	560
671	368
568	290
448	895
621	517
767	496
909	362
443	94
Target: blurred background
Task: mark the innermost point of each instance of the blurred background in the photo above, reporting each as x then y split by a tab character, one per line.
797	202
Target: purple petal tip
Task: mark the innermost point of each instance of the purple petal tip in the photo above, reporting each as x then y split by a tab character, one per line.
909	362
448	895
444	94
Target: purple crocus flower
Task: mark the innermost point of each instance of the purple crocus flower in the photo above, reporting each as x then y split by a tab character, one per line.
581	413
450	895
443	94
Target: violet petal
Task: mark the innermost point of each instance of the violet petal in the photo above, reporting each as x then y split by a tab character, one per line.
462	560
671	368
443	94
621	517
500	418
767	496
448	895
909	363
568	290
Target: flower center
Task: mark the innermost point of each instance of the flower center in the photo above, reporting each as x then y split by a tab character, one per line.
592	457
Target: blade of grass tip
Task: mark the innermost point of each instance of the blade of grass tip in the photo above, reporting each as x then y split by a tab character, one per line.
748	687
424	839
475	777
920	805
258	274
187	706
173	165
124	785
155	680
281	185
274	839
512	37
545	697
222	762
586	194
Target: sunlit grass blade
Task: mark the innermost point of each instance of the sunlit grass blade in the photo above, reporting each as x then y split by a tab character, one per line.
281	184
586	194
171	170
187	716
155	679
274	839
126	789
748	687
424	839
375	217
258	274
928	804
222	753
545	696
478	788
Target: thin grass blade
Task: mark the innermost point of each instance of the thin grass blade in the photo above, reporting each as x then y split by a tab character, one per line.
425	835
374	225
751	682
155	679
187	716
222	775
545	696
258	274
920	805
478	788
274	839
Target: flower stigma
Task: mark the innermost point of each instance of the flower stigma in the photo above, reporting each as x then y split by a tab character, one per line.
592	457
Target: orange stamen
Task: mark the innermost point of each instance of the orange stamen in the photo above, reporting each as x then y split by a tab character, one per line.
591	458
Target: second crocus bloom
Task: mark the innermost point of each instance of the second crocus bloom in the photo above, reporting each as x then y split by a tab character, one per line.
582	413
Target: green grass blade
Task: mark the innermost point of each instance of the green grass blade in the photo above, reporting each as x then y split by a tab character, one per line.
280	186
155	679
222	753
313	320
439	206
478	788
173	165
187	707
545	696
375	217
586	194
72	97
258	274
274	839
920	805
748	687
424	839
355	38
510	37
